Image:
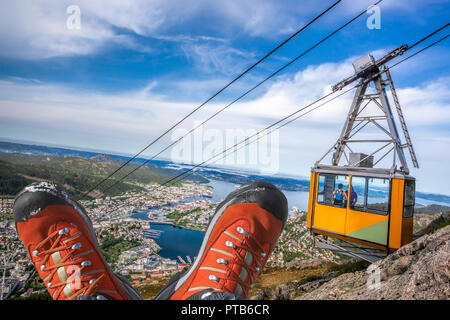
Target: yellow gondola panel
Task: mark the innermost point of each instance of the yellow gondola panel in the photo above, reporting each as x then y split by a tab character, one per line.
381	220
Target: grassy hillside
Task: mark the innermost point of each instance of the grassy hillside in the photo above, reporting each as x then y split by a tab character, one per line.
76	174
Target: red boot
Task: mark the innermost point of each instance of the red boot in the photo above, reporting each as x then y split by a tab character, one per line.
60	241
237	244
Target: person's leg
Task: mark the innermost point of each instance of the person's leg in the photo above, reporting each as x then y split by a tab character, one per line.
61	242
237	243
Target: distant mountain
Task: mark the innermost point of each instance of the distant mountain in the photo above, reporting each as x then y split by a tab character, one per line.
78	175
107	159
433	197
157	166
240	177
432	208
37	150
149	166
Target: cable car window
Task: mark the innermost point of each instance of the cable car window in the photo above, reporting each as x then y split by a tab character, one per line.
408	209
378	194
339	194
321	189
332	189
409	192
357	193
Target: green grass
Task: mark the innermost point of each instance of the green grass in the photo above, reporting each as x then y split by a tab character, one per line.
149	291
309	279
37	284
112	247
440	226
176	215
350	267
443	224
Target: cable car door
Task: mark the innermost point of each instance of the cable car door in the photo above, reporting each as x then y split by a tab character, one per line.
329	212
368	213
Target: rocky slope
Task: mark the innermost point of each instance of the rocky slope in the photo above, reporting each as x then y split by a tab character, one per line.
419	270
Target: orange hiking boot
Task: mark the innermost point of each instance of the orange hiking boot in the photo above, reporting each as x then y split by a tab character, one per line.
238	241
61	242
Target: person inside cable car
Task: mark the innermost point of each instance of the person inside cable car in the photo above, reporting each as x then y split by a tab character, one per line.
352	198
339	196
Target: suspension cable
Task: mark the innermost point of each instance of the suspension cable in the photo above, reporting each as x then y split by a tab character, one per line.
241	96
213	96
172	180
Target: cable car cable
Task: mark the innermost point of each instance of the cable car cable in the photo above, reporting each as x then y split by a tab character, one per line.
191	169
214	95
303	108
430	35
269	132
240	97
401	61
277	122
423	49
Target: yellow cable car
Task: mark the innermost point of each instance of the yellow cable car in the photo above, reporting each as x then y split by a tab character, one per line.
371	209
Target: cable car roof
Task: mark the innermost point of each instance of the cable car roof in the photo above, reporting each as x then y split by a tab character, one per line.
362	171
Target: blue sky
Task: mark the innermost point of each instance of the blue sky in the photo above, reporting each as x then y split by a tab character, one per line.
135	67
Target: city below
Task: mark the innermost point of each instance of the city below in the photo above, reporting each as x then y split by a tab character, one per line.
128	233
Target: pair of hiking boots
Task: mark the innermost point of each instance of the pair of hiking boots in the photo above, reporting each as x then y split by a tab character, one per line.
60	241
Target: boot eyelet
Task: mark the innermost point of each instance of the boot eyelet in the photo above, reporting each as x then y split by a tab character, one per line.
86	263
35	253
221	261
42	267
63	231
76	246
213	278
263	254
230	244
242	231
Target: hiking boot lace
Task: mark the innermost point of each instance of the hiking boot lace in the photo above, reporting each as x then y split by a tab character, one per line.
247	244
85	284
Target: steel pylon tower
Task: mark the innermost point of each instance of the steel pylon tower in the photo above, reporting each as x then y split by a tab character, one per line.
368	71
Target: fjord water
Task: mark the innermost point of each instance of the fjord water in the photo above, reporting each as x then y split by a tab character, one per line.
298	199
174	241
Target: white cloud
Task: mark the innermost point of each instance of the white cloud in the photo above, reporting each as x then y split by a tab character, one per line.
36	29
217	58
422	108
